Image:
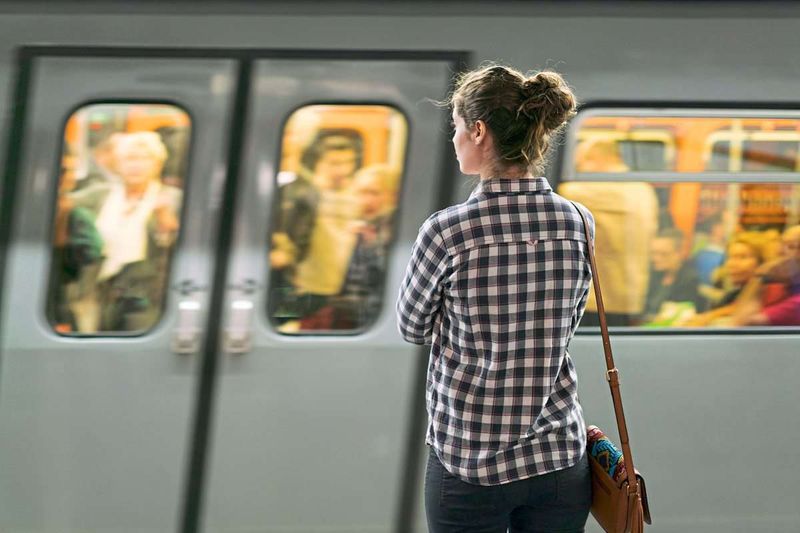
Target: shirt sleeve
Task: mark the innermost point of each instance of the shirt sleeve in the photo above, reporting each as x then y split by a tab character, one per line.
420	296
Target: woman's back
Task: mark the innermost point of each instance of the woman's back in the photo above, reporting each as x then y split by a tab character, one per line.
512	266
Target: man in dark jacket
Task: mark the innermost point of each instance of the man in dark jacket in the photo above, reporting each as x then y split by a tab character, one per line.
671	278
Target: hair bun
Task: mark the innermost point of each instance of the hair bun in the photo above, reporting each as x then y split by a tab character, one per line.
539	84
548	98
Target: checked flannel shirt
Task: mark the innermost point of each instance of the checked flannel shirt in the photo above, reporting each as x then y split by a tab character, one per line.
497	286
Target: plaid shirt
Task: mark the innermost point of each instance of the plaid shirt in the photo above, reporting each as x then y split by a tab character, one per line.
497	285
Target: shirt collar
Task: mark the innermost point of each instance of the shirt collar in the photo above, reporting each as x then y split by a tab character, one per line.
513	185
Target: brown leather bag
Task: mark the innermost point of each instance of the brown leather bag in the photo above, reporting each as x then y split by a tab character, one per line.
618	506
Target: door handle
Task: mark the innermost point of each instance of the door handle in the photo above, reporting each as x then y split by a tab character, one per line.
237	338
186	337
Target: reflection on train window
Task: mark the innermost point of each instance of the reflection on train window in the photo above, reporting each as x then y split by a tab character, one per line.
770	156
720	157
689	144
640	148
338	186
755	156
120	193
644	154
694	253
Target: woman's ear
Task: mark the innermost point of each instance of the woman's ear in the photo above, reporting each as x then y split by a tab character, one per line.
479	132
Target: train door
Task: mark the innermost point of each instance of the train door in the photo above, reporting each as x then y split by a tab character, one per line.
316	391
108	265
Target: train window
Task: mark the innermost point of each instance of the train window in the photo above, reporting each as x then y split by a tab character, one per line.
712	238
770	156
332	224
639	149
120	193
644	154
776	153
720	156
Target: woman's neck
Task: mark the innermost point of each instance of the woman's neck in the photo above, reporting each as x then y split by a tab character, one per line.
505	173
135	191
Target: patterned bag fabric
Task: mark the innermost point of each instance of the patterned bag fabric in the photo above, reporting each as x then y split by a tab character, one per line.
604	452
612	506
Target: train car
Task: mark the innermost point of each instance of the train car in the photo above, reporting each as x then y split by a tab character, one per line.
207	209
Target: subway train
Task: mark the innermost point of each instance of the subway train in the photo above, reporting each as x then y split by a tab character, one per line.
207	209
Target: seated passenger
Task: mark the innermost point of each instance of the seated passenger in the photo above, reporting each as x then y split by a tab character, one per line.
743	257
773	245
672	281
136	222
773	298
626	219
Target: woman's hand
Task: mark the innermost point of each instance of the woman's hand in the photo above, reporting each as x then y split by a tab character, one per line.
167	225
283	251
166	220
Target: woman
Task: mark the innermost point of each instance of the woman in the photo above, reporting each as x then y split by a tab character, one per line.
773	297
743	256
375	190
136	221
497	285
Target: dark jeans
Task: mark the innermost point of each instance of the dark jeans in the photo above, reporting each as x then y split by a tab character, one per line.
554	502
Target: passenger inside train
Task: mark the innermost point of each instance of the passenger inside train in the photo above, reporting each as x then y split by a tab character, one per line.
375	189
333	224
116	221
626	218
773	296
673	279
312	241
710	249
742	257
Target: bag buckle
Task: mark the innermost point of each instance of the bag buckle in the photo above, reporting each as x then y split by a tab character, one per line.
612	371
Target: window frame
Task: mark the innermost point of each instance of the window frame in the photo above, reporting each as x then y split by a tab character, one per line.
565	170
396	218
568	172
56	173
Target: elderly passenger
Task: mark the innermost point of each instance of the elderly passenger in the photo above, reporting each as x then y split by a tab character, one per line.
135	222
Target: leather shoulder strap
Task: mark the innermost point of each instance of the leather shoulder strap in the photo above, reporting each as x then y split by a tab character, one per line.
612	374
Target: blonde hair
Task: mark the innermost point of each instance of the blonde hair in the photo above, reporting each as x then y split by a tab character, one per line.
791	233
149	140
753	241
387	177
